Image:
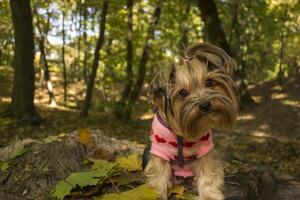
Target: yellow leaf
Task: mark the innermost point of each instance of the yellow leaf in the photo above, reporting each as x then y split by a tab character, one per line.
130	163
84	136
142	192
177	189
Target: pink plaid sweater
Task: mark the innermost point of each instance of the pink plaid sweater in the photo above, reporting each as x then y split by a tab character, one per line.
164	145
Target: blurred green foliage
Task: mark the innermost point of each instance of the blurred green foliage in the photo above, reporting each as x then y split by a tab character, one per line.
253	30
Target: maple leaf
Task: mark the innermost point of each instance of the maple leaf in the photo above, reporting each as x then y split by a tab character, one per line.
130	163
142	192
81	179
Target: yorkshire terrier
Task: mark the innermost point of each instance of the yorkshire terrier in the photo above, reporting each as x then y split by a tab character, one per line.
191	97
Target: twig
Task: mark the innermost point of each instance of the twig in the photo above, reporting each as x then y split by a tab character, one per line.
114	185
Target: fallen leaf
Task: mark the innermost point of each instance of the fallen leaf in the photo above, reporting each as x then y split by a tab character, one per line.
102	154
128	178
84	136
130	163
176	189
81	179
102	164
142	192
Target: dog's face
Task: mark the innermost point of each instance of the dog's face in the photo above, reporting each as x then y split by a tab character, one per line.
197	94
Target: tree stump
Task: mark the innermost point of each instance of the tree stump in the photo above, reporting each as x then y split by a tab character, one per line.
43	165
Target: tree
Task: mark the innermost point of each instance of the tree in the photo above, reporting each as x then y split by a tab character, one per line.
42	38
85	58
121	107
282	46
100	41
63	31
216	35
135	91
22	105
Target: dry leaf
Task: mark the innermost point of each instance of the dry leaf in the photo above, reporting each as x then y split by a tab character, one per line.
176	189
142	192
101	153
130	163
85	138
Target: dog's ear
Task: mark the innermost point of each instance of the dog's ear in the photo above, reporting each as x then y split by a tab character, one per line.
213	56
160	86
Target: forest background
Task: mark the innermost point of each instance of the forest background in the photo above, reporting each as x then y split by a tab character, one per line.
68	65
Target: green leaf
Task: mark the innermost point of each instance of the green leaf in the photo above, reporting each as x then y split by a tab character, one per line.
81	179
102	164
130	163
128	178
61	190
142	192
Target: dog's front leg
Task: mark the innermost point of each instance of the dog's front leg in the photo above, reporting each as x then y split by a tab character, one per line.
158	172
209	177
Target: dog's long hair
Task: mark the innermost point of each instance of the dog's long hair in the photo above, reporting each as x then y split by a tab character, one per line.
197	93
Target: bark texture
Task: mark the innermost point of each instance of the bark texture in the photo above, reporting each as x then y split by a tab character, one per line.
100	41
42	39
136	88
22	104
65	83
215	34
121	108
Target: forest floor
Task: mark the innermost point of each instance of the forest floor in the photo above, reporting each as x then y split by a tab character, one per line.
267	135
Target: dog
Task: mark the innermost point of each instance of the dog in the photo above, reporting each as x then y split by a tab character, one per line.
191	97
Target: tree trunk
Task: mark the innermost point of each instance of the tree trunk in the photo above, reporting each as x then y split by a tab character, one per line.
65	83
41	40
215	35
100	41
214	32
122	105
238	53
143	62
78	42
22	103
280	73
279	76
85	71
49	84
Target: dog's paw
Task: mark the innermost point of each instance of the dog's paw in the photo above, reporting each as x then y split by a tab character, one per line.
163	196
211	196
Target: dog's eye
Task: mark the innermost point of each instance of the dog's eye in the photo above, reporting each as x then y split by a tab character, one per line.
209	83
184	93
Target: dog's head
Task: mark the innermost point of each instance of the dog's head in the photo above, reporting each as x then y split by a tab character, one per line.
197	93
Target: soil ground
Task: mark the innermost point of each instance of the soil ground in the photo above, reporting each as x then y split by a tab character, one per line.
267	135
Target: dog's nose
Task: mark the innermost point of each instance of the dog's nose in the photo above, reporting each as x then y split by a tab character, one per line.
205	106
